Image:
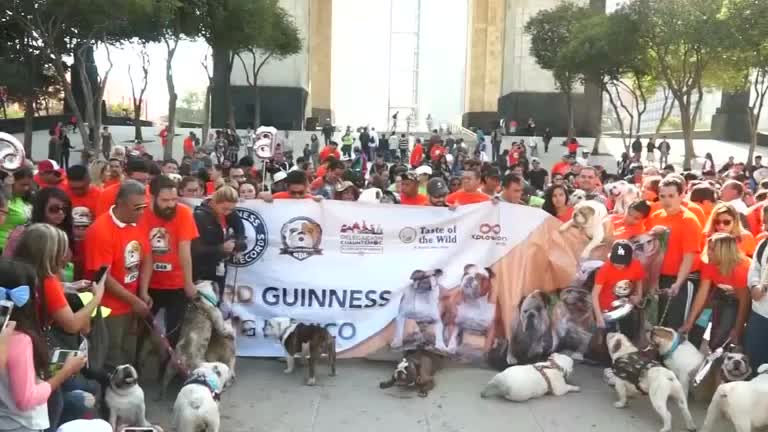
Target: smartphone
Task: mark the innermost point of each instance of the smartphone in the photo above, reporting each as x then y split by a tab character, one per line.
6	307
100	274
60	356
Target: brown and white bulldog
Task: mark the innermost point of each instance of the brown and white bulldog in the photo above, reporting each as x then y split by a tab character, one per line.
417	369
296	338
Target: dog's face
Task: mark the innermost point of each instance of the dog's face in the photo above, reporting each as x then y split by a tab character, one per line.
619	345
533	312
216	372
576	298
565	363
424	281
645	246
275	327
476	281
577	196
301	234
662	337
124	377
622	289
583	215
405	372
736	367
616	189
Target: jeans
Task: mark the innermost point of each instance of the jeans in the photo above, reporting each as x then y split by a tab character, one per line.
754	340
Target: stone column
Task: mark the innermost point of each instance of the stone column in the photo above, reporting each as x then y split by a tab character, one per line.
484	62
320	61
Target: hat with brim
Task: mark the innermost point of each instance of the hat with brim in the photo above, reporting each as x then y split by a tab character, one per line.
341	187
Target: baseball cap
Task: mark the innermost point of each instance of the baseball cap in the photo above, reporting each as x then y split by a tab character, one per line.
424	170
48	165
621	253
535	160
410	175
437	188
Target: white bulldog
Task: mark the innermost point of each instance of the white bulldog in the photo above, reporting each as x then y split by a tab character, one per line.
623	194
197	405
588	217
677	354
745	403
652	379
524	382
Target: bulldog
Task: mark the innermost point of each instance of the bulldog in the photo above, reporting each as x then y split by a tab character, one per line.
574	321
417	369
636	375
736	367
197	405
677	354
622	194
525	382
533	338
588	218
744	403
577	196
302	338
125	398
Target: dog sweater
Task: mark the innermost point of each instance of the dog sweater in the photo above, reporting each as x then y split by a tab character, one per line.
631	367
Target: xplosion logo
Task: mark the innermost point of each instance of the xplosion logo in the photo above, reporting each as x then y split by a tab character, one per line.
490	232
256	235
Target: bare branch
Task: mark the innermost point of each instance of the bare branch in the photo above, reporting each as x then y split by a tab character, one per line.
245	70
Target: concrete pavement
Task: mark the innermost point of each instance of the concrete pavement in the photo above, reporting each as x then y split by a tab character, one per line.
263	399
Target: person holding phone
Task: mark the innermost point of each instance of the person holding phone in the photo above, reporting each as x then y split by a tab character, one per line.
46	249
23	395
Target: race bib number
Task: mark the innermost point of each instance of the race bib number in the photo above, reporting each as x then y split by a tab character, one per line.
131	277
162	267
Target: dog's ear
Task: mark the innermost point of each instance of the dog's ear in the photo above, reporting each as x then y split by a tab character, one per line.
418	275
616	345
737	349
491	274
520	303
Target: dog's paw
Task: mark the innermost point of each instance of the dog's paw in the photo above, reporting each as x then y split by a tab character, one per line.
311	381
423	394
619	404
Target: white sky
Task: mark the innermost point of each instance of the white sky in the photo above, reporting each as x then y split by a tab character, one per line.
360	58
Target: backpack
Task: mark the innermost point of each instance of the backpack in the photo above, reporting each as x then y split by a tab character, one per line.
760	251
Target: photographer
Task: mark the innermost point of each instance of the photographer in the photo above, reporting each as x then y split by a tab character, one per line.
221	235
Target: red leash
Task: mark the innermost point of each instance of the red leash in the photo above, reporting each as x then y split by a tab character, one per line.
174	360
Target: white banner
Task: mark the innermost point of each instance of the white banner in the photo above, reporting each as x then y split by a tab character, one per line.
376	274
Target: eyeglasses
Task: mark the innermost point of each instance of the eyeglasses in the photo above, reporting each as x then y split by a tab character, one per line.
58	209
723	222
139	207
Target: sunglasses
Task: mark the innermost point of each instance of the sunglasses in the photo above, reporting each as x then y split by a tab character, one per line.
57	209
140	207
723	222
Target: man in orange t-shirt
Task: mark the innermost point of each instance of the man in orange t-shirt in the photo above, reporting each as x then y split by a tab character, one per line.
683	246
114	173
330	150
621	266
563	166
85	201
632	224
296	184
170	229
116	240
409	190
136	169
470	190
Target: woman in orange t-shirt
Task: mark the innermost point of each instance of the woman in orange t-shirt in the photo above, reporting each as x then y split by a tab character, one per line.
632	223
726	268
556	203
725	219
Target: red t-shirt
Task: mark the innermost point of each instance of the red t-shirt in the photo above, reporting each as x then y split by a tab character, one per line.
561	168
684	238
189	146
287	195
122	248
89	201
609	275
566	215
164	237
110	182
328	151
418	200
417	155
462	197
53	292
737	278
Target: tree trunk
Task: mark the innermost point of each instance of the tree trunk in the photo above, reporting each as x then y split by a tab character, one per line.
571	126
29	126
137	135
685	114
206	114
172	98
228	92
619	120
256	107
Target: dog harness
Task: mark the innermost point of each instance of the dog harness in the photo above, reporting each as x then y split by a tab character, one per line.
541	367
631	368
201	379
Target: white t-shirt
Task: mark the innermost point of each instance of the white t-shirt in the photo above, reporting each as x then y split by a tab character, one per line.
85	426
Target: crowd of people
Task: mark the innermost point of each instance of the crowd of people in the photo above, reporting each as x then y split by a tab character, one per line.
58	227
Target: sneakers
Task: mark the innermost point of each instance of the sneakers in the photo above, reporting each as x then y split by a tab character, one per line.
609	377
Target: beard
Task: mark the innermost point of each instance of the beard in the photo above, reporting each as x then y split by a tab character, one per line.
165	213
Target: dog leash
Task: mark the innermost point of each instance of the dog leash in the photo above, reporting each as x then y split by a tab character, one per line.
708	362
165	345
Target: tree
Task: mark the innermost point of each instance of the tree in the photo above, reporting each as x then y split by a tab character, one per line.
207	100
551	31
666	108
280	39
749	22
686	40
137	100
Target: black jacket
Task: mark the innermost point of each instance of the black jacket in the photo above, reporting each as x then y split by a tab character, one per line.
206	249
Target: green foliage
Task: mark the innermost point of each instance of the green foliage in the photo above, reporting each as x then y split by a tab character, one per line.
233	25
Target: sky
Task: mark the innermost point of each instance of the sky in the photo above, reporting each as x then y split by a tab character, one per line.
360	62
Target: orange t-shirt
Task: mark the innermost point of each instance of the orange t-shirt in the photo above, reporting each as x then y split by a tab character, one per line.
755	217
321	170
122	248
561	168
418	200
462	197
90	200
621	231
746	242
609	275
110	182
737	278
210	188
684	237
109	195
287	195
164	237
55	300
566	215
328	151
691	206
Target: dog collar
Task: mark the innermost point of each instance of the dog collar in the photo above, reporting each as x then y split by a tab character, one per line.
201	379
675	345
212	300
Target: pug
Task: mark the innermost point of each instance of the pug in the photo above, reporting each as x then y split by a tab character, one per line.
301	338
417	369
533	338
745	403
677	354
525	382
588	217
197	404
125	398
635	375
